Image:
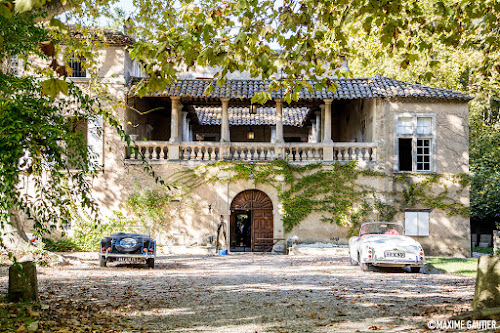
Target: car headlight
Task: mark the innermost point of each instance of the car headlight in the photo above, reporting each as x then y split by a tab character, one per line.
128	243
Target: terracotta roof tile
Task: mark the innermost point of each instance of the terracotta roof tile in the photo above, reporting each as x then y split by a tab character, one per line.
212	115
347	89
111	37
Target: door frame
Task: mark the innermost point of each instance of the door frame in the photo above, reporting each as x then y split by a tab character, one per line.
250	200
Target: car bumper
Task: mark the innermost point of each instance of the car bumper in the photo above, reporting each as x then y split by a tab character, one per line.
131	256
396	263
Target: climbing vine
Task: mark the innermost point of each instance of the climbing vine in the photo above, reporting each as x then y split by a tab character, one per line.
334	190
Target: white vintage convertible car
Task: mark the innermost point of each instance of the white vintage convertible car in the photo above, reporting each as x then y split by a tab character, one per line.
384	244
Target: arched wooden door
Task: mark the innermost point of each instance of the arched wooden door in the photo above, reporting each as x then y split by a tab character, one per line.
261	212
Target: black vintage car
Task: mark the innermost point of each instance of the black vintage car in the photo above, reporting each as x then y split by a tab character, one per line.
128	247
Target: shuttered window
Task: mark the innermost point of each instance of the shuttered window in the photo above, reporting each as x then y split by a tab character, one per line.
76	65
95	141
417	223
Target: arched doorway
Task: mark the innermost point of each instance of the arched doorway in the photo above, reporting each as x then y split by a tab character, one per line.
251	222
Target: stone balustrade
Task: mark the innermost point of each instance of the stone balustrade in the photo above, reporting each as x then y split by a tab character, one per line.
252	151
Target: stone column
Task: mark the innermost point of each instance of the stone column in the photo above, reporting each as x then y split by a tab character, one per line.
313	135
327	137
279	120
318	126
183	126
224	129
174	120
322	122
273	134
186	129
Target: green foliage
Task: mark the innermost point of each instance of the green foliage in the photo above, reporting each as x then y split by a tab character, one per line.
39	142
331	190
150	207
60	245
87	233
485	165
485	250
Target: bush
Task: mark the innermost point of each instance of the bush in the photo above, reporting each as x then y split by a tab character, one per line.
87	233
485	250
60	245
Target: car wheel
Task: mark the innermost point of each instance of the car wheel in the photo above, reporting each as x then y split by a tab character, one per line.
353	262
102	261
364	267
150	262
415	269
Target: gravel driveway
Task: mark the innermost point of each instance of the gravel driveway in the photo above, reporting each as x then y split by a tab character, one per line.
243	293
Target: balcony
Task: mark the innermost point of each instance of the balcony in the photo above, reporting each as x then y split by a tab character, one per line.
165	152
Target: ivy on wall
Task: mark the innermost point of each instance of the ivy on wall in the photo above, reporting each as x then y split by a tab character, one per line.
336	191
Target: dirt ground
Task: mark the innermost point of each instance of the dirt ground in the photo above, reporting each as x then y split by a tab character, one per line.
243	293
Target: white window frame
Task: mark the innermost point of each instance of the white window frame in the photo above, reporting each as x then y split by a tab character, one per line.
414	137
417	222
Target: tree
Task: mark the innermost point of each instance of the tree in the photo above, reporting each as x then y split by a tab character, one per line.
302	40
38	136
296	45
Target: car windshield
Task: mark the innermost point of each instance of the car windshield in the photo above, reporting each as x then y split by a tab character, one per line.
381	228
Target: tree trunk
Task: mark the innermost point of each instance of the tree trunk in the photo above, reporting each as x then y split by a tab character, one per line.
13	235
53	8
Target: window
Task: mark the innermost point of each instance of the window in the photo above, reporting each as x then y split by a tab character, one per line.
91	131
76	65
424	125
423	155
405	126
415	143
13	66
417	223
95	141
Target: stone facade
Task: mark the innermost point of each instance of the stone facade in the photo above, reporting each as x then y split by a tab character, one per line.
364	129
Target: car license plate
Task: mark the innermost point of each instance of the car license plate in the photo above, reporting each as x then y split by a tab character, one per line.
129	259
394	254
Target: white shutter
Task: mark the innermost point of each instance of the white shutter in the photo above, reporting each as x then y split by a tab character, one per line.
411	223
95	141
423	223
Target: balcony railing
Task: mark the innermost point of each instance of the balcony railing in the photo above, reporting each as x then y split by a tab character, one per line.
161	151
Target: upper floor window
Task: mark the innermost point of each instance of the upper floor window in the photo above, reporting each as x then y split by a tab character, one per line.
76	65
415	143
13	66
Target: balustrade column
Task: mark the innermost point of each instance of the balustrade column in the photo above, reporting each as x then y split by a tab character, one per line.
174	120
279	120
